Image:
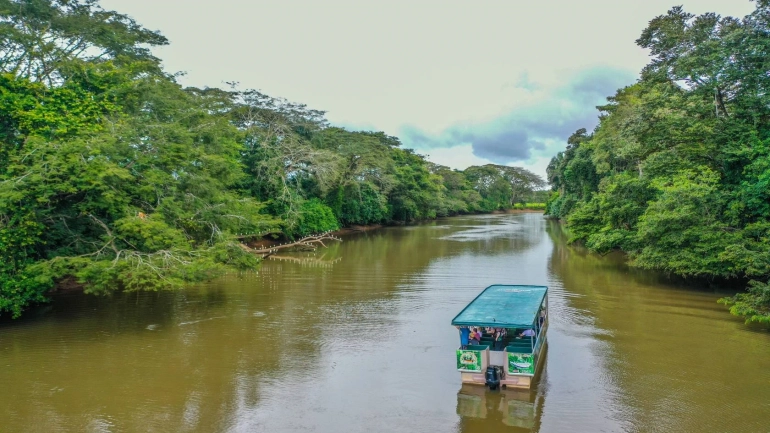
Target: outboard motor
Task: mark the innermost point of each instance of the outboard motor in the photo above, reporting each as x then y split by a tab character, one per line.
493	376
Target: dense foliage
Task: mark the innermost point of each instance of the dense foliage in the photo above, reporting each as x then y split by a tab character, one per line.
114	177
677	173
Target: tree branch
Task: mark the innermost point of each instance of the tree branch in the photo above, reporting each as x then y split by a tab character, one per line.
308	242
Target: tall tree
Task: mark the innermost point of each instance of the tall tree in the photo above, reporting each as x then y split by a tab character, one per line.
676	174
42	40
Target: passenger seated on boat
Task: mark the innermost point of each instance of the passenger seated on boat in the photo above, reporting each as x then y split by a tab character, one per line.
475	336
498	336
527	333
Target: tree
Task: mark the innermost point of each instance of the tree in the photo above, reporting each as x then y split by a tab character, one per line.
418	193
280	162
147	201
43	40
115	177
523	183
460	197
676	173
364	173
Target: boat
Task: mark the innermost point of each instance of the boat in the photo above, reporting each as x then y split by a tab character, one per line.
513	320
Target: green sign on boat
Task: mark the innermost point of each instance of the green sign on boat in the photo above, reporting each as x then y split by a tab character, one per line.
469	360
523	363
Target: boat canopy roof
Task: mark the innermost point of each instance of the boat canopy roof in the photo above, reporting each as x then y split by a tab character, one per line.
503	306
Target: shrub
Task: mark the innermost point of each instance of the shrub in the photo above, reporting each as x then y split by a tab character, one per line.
315	217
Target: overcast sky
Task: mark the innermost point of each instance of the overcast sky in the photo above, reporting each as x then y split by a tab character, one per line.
463	82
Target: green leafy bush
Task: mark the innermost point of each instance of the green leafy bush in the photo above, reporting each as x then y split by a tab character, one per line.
315	217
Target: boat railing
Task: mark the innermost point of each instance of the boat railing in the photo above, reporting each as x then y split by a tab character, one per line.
540	331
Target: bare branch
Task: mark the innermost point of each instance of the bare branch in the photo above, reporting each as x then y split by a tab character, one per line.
308	243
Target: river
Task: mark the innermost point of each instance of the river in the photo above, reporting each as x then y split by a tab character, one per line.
356	338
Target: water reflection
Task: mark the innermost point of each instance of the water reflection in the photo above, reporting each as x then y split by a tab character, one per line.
357	338
506	410
665	357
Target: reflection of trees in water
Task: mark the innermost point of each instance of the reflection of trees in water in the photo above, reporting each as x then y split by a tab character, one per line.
497	236
167	356
391	255
306	260
657	340
575	261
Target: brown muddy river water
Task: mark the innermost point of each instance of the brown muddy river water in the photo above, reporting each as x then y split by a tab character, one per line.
357	338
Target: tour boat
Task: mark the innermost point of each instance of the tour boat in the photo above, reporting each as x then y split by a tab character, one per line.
515	359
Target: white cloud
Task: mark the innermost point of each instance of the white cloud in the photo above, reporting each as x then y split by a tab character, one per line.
538	128
458	157
536	165
461	157
428	63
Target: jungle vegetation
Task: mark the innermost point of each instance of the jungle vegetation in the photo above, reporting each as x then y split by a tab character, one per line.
677	172
113	176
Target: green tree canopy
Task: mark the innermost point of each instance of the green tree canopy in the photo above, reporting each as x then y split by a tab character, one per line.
676	174
115	177
42	40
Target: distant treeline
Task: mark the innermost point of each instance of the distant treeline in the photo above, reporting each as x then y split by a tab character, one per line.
114	177
677	173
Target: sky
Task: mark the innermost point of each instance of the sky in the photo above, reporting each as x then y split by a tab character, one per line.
464	83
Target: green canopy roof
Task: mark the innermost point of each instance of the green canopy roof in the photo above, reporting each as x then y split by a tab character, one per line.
503	306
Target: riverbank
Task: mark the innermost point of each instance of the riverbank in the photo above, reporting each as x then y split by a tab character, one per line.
516	211
69	285
730	288
359	228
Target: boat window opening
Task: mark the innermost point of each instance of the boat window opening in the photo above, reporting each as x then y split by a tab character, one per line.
510	337
491	338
